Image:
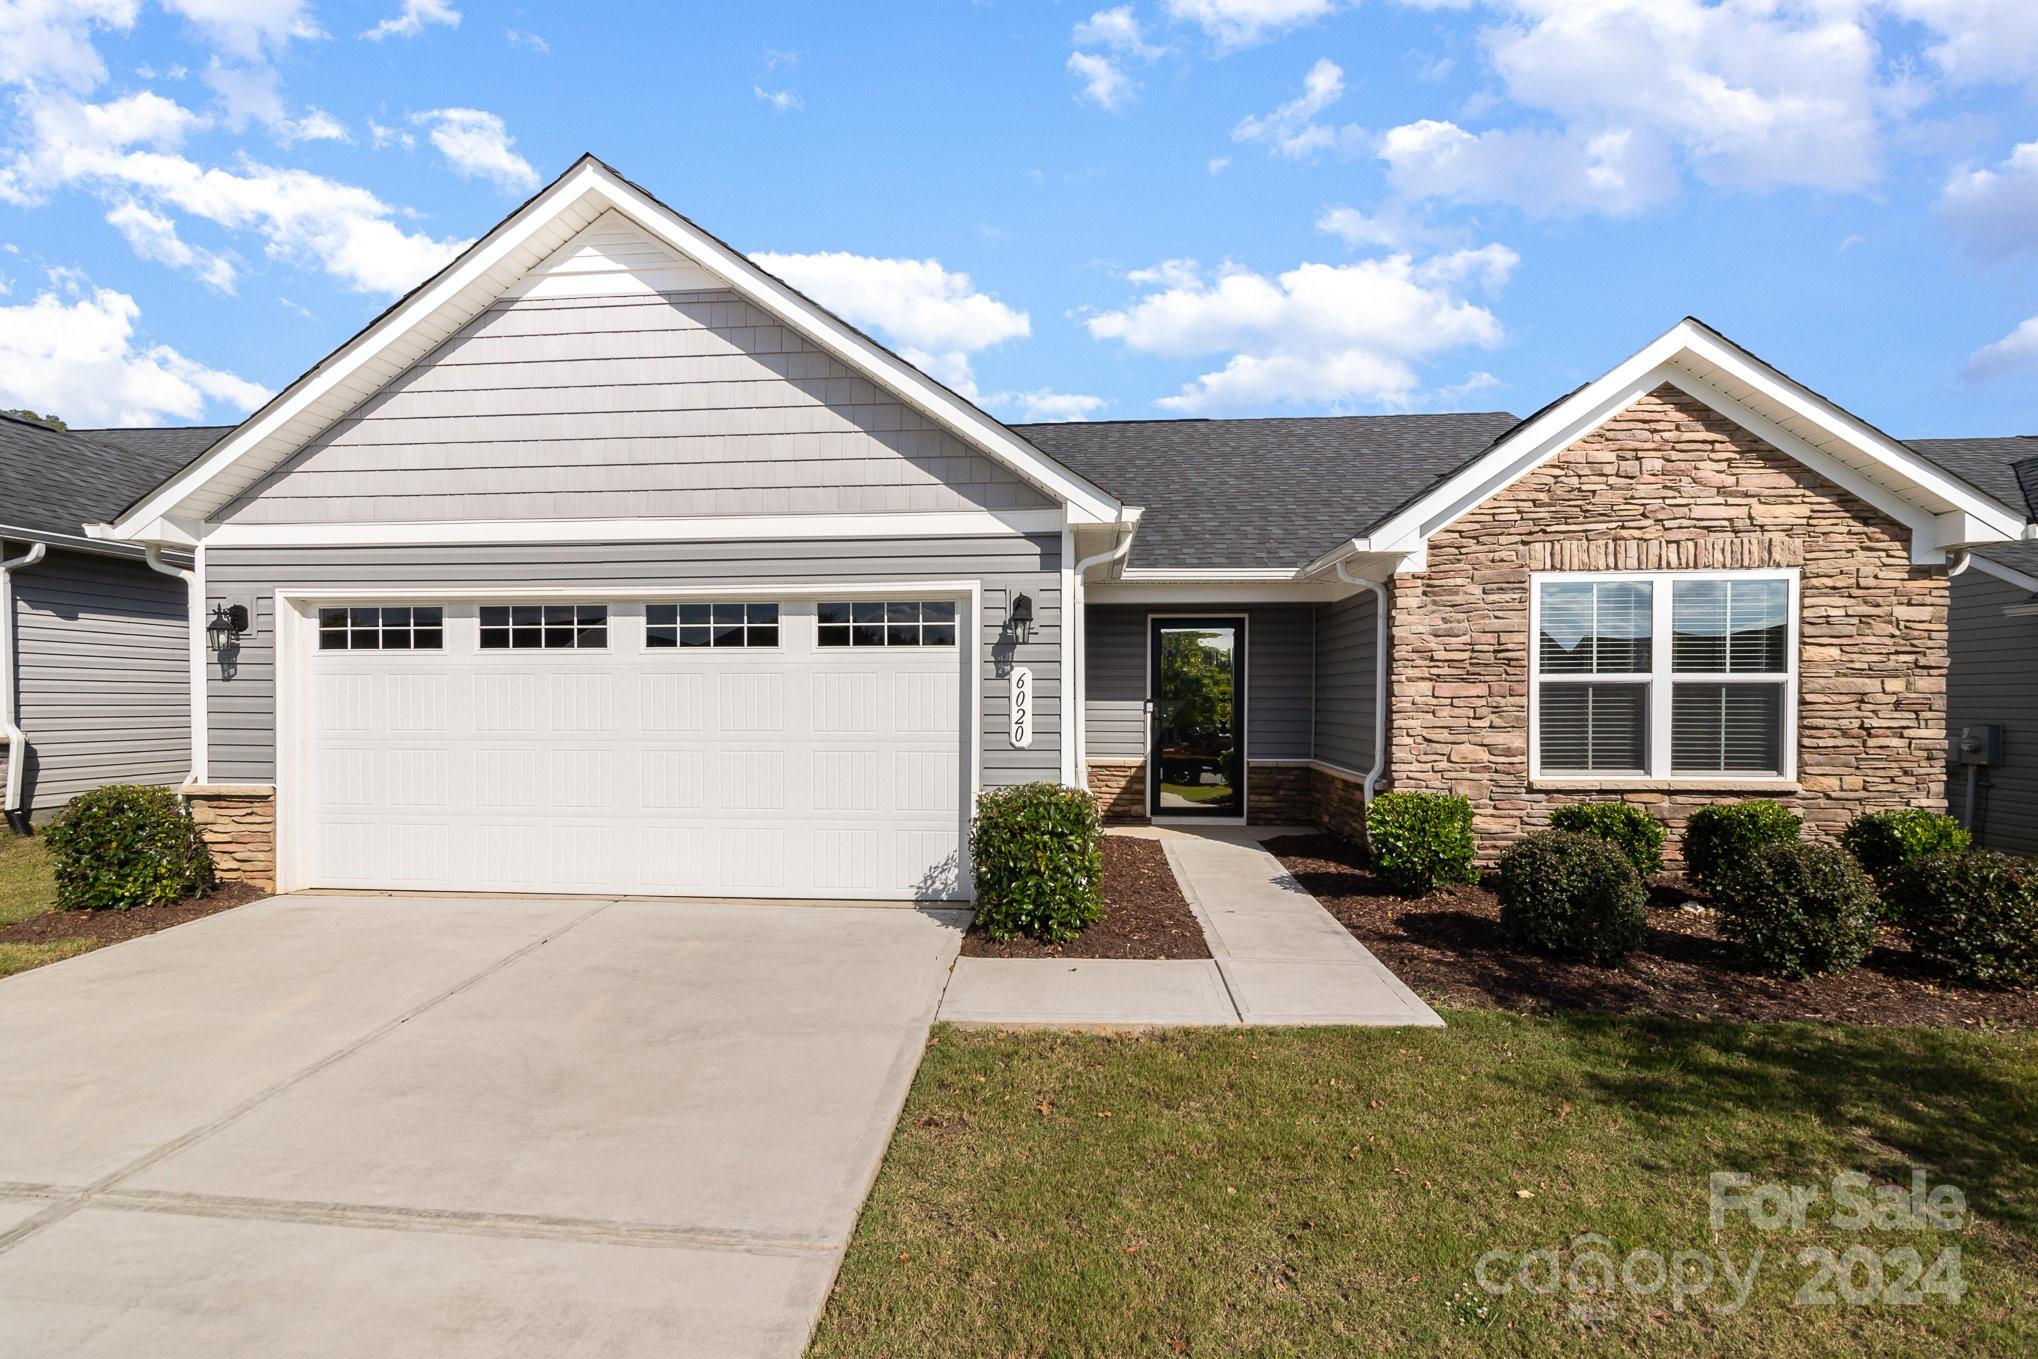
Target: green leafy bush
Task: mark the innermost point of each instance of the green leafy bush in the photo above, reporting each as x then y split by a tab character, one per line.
124	846
1038	857
1420	841
1724	835
1796	909
1976	915
1639	835
1572	894
1882	841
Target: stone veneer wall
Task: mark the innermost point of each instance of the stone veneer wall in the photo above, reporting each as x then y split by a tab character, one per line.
1278	795
239	826
1120	787
1672	484
1338	804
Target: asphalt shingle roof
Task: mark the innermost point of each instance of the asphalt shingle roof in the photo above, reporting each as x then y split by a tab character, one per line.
1991	465
1264	493
57	481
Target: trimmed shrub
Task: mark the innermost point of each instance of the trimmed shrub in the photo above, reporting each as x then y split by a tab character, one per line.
1038	856
1882	841
1721	837
1572	894
1976	915
1420	841
1638	835
1796	909
124	846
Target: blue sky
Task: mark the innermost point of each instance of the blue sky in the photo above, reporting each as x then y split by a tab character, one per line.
1169	207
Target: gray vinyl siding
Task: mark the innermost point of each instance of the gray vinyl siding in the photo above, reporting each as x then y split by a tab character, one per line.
105	694
660	405
1280	675
1347	638
1994	678
241	710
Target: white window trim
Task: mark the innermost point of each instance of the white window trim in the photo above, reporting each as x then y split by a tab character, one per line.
1657	681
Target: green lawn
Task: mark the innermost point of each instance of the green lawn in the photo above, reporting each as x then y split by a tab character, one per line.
25	890
1321	1191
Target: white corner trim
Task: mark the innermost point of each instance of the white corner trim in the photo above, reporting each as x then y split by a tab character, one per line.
961	524
590	180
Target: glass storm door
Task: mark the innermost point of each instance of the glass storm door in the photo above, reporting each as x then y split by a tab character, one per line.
1196	764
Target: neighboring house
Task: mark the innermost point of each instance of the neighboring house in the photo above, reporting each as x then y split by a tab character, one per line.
1994	675
606	562
95	656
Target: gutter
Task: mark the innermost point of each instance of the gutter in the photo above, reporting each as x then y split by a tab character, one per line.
1078	686
17	741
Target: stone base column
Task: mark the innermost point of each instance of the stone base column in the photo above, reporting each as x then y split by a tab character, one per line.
1338	804
238	822
1120	786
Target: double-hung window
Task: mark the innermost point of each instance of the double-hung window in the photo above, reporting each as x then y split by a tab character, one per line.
1673	675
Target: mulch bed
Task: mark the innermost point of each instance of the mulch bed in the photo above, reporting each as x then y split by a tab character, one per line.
110	927
1145	914
1448	947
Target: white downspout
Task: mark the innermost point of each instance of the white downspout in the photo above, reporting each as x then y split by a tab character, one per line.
194	605
1379	677
17	741
1080	683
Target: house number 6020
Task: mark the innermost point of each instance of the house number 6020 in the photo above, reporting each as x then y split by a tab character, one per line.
1022	707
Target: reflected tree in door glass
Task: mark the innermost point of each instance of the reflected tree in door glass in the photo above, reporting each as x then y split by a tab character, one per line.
1198	727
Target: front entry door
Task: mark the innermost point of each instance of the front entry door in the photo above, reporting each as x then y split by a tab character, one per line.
1196	756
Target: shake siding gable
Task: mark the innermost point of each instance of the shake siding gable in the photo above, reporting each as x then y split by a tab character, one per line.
1671	484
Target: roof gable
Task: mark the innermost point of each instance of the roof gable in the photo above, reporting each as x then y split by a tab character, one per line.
541	236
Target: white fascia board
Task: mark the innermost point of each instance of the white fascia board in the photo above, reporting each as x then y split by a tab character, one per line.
1200	573
1196	594
589	178
989	524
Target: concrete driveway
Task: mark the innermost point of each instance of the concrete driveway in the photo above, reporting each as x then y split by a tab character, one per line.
453	1126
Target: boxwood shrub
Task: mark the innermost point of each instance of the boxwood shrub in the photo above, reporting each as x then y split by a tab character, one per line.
1420	841
1796	909
1038	857
1572	894
1883	841
1976	915
124	846
1722	836
1638	835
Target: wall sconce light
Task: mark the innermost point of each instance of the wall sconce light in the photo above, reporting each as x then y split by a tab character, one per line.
228	622
1021	617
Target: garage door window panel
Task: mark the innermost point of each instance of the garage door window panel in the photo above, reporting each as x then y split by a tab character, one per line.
894	623
403	627
544	627
693	625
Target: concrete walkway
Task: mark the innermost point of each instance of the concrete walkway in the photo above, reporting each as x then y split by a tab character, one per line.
336	1127
1278	958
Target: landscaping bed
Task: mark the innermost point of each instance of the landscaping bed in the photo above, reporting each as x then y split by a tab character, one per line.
1145	914
1449	948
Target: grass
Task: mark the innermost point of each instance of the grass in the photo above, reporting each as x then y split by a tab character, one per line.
26	889
1198	792
1313	1191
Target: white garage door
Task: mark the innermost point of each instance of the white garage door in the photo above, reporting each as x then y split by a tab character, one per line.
760	747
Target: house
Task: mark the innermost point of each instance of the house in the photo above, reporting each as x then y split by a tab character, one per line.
606	562
95	649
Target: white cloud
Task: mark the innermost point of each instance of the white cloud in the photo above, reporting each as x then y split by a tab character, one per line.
1292	130
250	28
1995	211
316	125
1391	227
252	92
781	101
1979	41
410	21
153	236
477	144
934	316
382	137
2016	354
1217	165
125	151
1105	84
1317	335
1046	405
1542	173
78	357
519	38
49	42
1233	24
1116	30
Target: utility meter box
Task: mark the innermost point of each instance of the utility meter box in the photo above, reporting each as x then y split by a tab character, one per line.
1978	743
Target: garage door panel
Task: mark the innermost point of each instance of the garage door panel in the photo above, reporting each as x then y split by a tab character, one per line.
791	770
